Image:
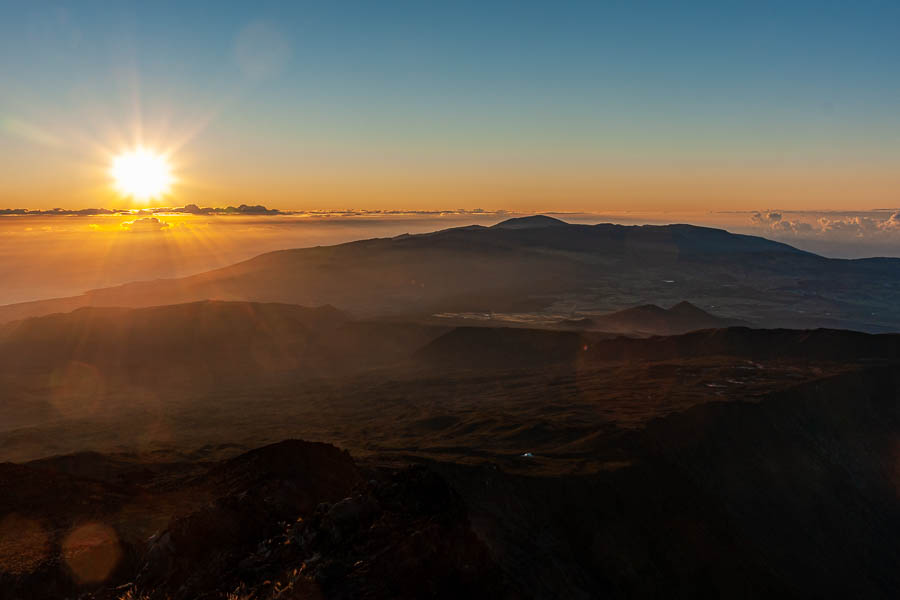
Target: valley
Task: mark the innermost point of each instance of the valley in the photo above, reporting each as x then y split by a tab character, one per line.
230	448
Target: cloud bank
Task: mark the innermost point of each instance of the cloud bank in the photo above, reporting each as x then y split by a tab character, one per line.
863	224
189	209
242	210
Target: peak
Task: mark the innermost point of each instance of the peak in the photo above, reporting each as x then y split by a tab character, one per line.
532	222
684	307
644	308
684	304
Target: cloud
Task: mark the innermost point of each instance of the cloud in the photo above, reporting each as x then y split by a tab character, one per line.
873	224
892	223
60	212
769	218
246	210
190	209
145	225
243	209
193	209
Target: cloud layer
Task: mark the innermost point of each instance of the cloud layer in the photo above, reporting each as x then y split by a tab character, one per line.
242	210
863	224
190	209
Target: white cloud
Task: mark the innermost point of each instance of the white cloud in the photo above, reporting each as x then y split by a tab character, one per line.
875	224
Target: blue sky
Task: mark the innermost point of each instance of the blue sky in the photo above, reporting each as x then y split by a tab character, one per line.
564	104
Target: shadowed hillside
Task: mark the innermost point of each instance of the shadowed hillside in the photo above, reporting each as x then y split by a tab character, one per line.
204	339
489	462
792	495
235	341
493	348
536	263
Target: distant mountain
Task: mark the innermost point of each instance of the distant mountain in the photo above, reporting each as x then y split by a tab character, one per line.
533	222
650	319
539	262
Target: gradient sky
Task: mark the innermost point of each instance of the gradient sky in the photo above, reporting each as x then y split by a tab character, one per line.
517	105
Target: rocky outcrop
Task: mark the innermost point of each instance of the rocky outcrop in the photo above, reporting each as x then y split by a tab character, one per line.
297	517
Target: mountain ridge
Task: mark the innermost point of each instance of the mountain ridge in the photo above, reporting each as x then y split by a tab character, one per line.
483	348
216	340
205	340
531	268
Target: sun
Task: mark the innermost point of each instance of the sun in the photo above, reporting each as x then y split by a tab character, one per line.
141	174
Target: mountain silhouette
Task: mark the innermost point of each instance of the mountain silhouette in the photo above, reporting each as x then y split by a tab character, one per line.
532	263
533	222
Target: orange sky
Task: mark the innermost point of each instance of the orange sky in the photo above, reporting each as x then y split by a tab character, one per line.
596	106
682	188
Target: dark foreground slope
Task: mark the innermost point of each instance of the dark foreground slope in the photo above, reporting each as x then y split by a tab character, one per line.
489	462
290	520
538	263
796	494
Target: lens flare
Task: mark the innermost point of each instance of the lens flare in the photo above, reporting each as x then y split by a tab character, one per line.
91	552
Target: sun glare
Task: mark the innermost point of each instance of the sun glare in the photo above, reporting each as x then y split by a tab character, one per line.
141	174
